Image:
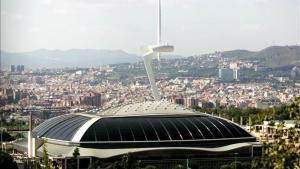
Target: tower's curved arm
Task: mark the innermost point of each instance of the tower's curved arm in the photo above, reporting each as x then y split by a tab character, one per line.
147	61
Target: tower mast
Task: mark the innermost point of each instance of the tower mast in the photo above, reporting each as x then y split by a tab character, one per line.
159	24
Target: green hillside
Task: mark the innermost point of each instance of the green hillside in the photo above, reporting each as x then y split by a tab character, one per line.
275	56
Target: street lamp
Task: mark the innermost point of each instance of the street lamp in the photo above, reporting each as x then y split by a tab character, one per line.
2	129
235	154
187	164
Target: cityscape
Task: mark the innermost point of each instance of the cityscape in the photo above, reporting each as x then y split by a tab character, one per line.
240	84
94	109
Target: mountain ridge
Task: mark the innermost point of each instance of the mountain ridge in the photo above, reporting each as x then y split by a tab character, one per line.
273	56
68	58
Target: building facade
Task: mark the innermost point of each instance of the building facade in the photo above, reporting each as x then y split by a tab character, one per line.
157	133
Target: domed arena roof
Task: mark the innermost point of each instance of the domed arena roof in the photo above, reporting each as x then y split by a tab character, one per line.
144	124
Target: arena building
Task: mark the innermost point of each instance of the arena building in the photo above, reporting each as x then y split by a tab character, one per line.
155	132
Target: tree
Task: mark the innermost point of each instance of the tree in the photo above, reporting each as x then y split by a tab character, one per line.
126	161
281	112
294	109
226	166
236	165
136	164
150	167
116	165
73	164
179	166
6	136
7	162
45	157
282	153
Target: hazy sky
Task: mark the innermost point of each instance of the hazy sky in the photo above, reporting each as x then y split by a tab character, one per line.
193	26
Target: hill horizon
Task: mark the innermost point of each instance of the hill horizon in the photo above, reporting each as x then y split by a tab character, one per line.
273	56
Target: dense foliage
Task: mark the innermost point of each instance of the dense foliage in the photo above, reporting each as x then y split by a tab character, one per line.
282	153
237	165
45	157
5	136
253	115
7	162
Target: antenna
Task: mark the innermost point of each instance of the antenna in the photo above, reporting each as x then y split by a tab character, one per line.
159	24
159	31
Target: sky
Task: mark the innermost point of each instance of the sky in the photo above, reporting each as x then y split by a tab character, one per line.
192	26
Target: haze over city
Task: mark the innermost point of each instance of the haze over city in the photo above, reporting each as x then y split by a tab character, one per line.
194	26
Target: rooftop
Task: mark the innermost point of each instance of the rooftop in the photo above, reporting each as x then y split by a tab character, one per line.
141	122
151	108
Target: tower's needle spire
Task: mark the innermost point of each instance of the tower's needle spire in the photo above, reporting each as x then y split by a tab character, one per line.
159	24
159	31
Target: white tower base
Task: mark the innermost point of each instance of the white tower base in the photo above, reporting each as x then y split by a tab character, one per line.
29	144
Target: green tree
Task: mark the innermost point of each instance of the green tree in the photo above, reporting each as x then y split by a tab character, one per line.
136	164
281	113
150	167
282	153
73	164
7	162
6	136
126	161
179	166
236	165
116	165
45	156
294	109
226	166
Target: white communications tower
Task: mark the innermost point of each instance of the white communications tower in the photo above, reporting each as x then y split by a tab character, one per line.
155	50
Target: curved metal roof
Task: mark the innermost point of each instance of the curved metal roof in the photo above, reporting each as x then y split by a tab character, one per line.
149	122
162	129
61	127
